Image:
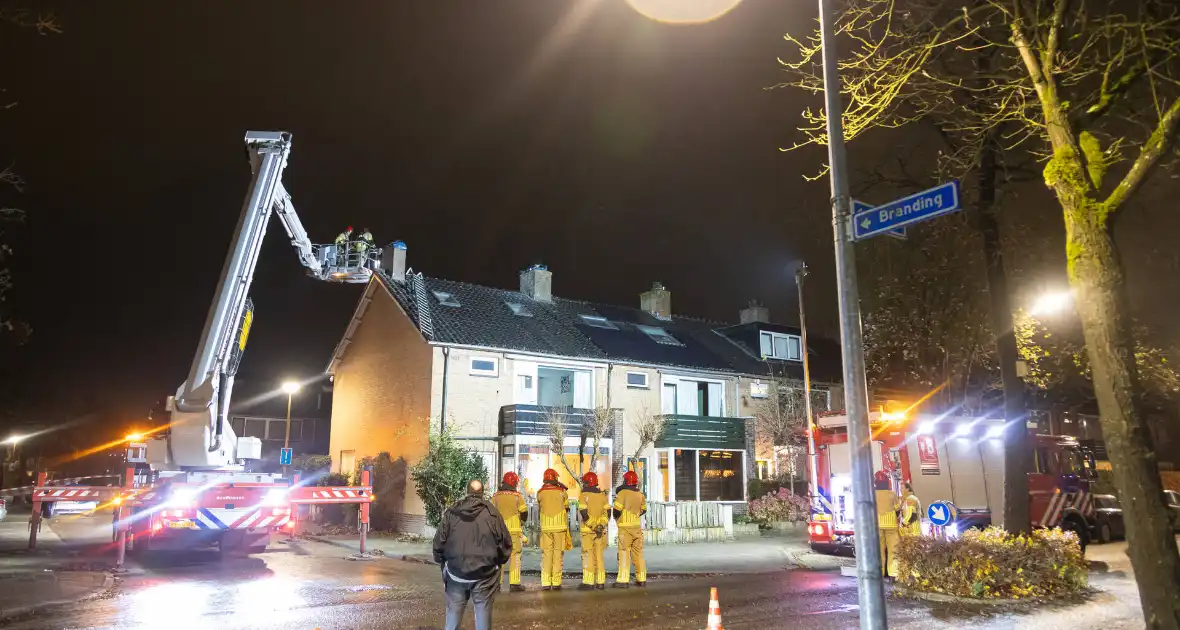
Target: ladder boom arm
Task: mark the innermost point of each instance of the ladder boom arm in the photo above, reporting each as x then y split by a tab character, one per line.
294	227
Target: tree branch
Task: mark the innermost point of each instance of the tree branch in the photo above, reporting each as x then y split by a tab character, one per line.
1149	157
1050	54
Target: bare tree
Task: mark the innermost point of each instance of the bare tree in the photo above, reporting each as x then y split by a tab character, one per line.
1093	90
648	427
782	417
590	431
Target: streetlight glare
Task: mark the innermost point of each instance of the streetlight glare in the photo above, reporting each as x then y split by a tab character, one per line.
1052	303
14	439
290	387
683	11
134	437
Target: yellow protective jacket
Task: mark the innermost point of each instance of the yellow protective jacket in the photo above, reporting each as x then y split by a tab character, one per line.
886	509
629	505
911	515
592	506
512	507
553	504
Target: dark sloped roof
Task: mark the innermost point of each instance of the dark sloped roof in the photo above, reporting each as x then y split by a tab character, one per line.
483	318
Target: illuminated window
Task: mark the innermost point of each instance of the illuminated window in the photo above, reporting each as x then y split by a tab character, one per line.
780	346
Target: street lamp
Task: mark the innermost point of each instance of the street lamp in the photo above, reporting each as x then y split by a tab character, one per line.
682	12
290	388
812	455
1051	303
13	440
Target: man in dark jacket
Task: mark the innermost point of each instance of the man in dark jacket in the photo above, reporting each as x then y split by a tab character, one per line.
472	544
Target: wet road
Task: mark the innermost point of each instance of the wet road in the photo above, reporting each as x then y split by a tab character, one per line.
306	585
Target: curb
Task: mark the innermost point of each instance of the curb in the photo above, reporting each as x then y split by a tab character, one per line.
19	611
943	598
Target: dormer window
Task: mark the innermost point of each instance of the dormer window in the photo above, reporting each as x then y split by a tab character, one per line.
781	346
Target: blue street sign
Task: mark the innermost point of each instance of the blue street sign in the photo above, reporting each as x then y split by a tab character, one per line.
285	456
860	206
941	513
917	207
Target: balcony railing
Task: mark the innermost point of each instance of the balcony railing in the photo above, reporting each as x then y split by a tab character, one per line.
535	420
682	431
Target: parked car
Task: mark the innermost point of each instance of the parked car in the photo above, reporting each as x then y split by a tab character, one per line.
1172	501
1108	519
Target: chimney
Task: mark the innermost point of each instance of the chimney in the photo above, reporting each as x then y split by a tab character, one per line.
393	261
537	283
755	312
657	301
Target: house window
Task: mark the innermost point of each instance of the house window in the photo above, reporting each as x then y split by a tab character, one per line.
598	322
238	423
347	462
637	380
720	476
684	463
484	367
759	390
519	309
780	346
659	335
446	299
256	428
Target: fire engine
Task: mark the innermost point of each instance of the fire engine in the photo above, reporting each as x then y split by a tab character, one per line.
955	459
200	490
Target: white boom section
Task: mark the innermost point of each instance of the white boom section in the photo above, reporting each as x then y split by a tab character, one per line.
200	437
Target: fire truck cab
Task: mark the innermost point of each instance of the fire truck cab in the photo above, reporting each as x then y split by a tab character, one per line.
947	458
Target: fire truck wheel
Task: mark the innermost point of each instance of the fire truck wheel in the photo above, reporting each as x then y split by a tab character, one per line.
256	549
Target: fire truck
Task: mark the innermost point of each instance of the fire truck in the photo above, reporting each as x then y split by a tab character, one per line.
200	490
954	459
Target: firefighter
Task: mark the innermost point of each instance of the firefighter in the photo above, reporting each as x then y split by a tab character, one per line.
909	520
887	522
513	510
592	504
364	243
628	507
553	504
342	246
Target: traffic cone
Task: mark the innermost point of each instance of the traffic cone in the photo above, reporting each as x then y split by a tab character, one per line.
714	622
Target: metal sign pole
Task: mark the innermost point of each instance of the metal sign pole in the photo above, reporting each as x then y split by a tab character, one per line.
812	455
35	519
869	580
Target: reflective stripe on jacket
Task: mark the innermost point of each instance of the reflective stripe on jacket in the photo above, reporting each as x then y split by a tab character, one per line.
593	502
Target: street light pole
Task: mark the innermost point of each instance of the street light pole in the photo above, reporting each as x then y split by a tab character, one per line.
812	456
869	580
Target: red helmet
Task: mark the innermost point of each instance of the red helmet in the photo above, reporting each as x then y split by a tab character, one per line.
590	479
511	479
349	229
550	475
881	481
630	478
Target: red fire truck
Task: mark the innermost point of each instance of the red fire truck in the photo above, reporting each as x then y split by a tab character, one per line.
955	459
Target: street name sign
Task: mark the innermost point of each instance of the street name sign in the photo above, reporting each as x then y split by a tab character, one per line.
860	206
917	207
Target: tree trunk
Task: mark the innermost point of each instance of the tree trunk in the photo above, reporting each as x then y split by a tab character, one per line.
1096	276
1014	516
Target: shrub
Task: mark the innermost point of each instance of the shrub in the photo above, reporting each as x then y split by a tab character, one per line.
993	564
442	475
779	506
310	463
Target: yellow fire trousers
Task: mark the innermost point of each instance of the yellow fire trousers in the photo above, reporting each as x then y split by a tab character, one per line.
889	541
631	550
552	553
513	561
593	568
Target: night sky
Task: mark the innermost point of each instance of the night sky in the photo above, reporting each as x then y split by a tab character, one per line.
486	135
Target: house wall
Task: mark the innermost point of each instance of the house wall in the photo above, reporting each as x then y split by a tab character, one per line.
382	400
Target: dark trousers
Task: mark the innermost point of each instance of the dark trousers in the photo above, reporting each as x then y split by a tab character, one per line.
481	593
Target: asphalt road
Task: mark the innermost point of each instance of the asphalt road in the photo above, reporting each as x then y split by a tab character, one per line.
310	585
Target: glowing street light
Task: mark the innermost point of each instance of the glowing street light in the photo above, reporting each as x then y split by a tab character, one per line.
15	439
290	387
1052	303
134	437
682	12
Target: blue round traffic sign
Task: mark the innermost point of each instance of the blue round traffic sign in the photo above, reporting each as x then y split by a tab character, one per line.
941	513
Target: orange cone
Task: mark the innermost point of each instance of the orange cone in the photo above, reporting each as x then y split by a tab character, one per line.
714	611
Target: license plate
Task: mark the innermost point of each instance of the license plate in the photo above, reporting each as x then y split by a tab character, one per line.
182	524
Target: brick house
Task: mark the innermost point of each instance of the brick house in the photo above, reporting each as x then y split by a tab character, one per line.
497	367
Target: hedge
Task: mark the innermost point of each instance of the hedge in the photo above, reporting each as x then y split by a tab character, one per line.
993	564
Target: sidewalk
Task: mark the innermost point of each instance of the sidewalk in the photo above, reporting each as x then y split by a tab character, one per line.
760	555
32	580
